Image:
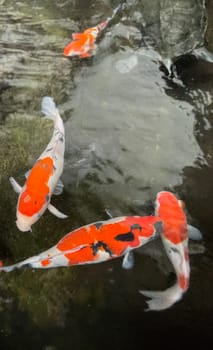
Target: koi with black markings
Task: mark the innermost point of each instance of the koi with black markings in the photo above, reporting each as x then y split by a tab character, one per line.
97	242
105	240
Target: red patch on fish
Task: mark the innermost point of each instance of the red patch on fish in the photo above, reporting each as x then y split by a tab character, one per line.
111	237
173	217
186	254
45	262
33	198
183	282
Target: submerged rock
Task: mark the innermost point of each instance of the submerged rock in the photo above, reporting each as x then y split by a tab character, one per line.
175	28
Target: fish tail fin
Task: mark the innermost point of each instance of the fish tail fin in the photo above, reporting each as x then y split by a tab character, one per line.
161	300
9	268
32	262
49	108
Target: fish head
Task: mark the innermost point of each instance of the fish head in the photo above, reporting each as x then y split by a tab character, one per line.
30	208
171	212
167	202
23	223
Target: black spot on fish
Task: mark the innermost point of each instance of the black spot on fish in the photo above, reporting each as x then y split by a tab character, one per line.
158	226
125	237
47	198
98	224
27	266
95	247
61	139
49	149
135	227
175	250
54	167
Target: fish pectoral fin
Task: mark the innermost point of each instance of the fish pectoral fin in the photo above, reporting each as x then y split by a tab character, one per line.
128	261
17	188
56	212
58	188
85	55
109	213
27	173
194	233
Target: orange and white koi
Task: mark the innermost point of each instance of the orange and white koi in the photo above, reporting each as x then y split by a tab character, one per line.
83	44
43	179
97	242
174	235
105	240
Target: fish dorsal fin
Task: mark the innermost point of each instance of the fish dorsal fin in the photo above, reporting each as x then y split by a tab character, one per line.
58	188
56	212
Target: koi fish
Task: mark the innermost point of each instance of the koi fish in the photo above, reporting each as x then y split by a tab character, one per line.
83	44
43	179
105	240
97	242
174	234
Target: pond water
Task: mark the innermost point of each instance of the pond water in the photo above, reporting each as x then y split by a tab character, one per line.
131	131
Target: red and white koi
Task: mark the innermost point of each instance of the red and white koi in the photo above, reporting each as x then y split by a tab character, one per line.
174	235
83	44
105	240
43	179
97	242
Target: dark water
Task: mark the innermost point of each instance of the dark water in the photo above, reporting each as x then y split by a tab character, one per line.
131	131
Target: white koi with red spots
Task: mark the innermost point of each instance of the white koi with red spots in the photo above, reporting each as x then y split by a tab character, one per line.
174	236
43	179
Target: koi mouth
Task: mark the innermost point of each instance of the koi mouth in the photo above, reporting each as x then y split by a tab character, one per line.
22	227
